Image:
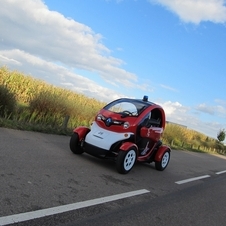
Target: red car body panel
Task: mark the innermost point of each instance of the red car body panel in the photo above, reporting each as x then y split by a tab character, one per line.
81	131
127	145
161	151
117	128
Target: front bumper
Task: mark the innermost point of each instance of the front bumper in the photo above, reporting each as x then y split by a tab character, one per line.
97	151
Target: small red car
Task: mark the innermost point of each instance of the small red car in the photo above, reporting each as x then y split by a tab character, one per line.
125	130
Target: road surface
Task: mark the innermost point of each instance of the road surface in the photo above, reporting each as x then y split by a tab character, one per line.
43	183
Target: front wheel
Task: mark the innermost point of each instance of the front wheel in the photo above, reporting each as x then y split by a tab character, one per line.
162	164
75	145
126	160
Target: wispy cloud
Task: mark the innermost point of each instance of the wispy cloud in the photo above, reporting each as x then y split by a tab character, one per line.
169	88
221	102
206	109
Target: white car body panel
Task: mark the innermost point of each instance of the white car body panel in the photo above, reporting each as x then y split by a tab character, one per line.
103	138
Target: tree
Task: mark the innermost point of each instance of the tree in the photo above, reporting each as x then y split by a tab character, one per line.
221	135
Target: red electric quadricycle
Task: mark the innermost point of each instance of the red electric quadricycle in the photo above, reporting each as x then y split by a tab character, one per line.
125	130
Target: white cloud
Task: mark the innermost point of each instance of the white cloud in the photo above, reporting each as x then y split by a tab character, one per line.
196	11
206	109
5	60
221	107
218	110
31	27
222	102
177	113
56	74
221	110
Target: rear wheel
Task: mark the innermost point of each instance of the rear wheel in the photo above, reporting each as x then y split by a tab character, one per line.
126	160
162	164
75	144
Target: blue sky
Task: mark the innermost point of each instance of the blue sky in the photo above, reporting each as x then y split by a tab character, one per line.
174	51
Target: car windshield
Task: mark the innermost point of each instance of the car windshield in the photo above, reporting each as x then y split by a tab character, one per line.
127	107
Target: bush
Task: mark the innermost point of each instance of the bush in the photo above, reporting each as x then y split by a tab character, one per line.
48	108
7	102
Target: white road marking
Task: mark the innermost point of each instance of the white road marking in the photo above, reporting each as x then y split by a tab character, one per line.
21	217
221	172
192	179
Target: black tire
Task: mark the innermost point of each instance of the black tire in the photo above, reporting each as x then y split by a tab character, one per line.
75	145
164	161
126	160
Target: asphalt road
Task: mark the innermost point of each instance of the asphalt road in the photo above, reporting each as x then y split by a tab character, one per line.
38	171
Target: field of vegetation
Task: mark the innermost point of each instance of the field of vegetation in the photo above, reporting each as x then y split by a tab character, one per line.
27	103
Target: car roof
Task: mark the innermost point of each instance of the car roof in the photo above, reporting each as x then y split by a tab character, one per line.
136	100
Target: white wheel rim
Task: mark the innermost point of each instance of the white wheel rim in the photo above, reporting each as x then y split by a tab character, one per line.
129	160
165	159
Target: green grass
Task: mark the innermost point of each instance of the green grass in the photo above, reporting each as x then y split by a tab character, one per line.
44	107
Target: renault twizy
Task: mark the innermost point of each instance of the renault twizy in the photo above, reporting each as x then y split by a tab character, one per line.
125	130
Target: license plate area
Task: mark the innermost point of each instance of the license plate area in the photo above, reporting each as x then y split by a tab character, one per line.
100	134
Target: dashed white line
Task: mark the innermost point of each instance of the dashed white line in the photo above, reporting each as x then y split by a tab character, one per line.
192	179
221	172
65	208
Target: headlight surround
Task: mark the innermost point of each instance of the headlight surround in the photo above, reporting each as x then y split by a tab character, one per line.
126	125
100	117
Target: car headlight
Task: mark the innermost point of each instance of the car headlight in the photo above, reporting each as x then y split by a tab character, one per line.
100	117
126	125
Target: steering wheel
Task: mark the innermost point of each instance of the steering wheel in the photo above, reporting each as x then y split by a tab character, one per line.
127	112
